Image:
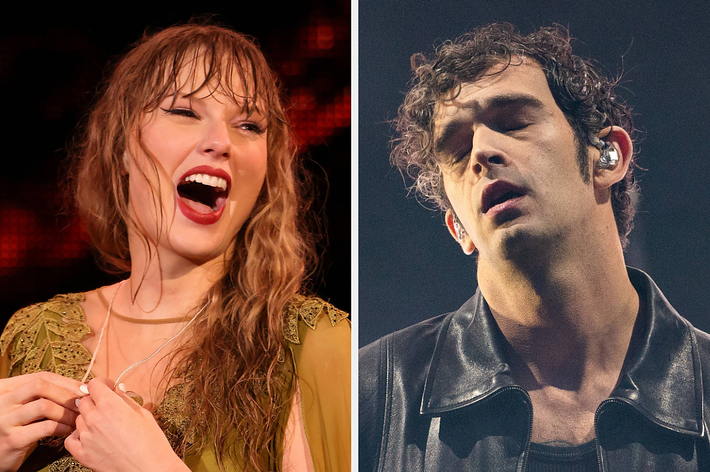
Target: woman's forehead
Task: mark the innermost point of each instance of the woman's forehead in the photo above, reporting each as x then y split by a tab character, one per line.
201	78
203	71
198	87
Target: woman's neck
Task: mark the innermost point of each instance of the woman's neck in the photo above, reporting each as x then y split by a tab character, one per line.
165	285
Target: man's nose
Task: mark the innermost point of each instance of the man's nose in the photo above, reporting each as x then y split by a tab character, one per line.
486	151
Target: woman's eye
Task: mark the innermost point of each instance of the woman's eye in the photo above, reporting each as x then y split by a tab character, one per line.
252	127
180	112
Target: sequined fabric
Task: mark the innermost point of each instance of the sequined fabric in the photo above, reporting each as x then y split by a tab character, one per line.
47	336
308	309
67	464
171	417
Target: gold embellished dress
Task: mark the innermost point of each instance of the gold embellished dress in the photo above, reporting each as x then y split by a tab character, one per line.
47	336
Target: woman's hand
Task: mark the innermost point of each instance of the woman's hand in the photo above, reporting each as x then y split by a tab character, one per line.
114	433
32	407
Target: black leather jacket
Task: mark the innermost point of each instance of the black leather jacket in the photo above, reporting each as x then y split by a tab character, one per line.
439	396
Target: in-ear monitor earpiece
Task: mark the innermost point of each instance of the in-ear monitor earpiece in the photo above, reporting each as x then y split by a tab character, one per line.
608	154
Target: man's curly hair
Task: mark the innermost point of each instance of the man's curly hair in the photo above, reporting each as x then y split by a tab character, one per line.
587	99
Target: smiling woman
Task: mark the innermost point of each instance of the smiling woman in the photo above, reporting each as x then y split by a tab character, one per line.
208	144
207	357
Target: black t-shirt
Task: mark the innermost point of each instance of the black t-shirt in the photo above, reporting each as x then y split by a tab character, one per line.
546	458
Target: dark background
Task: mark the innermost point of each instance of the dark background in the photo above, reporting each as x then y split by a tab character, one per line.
411	269
50	68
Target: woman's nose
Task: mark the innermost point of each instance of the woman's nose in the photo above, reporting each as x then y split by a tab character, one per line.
216	142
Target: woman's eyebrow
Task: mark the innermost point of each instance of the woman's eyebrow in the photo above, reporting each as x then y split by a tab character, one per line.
174	97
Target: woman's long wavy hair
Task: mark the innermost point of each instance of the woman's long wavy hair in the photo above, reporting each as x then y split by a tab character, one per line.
235	377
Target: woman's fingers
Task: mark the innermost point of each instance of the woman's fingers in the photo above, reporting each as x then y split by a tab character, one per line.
107	428
42	429
35	398
66	383
38	387
102	390
33	407
103	398
14	447
100	387
80	424
42	409
86	405
72	443
121	391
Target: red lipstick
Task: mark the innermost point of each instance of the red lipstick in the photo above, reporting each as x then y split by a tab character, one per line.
210	216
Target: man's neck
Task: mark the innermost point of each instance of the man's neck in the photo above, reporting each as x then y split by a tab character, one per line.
567	321
568	325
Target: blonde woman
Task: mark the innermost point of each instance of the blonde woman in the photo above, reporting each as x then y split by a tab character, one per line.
206	357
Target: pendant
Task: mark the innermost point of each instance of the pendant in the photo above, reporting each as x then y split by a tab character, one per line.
137	398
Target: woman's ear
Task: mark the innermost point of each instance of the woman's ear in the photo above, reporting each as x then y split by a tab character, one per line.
612	157
458	232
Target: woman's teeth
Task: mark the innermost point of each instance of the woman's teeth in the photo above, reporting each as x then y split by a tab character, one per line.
204	179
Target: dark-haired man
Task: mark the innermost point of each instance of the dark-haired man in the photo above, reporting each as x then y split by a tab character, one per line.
564	359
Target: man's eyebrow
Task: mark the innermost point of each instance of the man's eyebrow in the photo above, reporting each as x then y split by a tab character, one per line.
508	100
518	100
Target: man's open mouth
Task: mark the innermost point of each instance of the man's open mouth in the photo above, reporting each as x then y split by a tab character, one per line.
203	193
499	192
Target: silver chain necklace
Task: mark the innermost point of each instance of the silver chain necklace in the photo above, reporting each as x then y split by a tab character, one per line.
131	394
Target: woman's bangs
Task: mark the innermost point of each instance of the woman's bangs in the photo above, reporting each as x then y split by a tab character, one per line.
215	67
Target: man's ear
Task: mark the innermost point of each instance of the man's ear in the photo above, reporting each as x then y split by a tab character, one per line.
604	174
458	232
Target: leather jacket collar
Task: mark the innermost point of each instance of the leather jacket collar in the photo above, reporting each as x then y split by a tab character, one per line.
662	380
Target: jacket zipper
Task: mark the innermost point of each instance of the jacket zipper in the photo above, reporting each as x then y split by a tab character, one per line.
526	451
598	448
600	464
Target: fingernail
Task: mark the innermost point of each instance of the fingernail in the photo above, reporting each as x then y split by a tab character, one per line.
122	387
76	402
84	389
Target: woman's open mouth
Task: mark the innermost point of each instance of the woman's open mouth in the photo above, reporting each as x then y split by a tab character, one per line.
202	194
